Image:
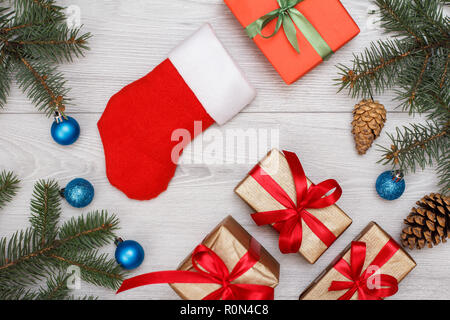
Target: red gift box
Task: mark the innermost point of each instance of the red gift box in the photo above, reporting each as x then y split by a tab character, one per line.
329	18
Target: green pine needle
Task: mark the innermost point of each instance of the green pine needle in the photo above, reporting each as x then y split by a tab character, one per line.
45	210
16	293
9	184
5	60
443	171
36	11
52	42
55	288
92	231
22	259
5	79
46	92
95	268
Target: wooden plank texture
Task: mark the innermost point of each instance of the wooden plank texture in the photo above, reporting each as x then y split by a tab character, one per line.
130	38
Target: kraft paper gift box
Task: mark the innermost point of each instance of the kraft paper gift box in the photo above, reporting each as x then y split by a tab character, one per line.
230	241
258	198
397	264
328	17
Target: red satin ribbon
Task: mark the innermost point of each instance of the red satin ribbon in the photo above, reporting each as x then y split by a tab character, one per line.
211	269
289	221
385	285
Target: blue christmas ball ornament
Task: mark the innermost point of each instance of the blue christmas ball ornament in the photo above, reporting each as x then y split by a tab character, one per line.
78	193
129	254
65	131
390	185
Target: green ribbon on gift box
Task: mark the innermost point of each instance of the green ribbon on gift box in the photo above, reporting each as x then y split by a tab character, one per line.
289	17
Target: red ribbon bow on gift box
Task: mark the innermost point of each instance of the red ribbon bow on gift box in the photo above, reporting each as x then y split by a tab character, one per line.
370	286
289	221
210	268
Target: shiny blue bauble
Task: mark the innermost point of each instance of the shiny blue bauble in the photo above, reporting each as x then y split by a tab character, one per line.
129	254
390	187
79	193
65	131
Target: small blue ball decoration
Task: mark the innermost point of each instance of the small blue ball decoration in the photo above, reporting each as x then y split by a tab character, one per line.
129	254
390	185
65	131
78	193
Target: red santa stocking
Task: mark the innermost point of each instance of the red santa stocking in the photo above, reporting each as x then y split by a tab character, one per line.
199	81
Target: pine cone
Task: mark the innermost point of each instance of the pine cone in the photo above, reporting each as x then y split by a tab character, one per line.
429	223
368	121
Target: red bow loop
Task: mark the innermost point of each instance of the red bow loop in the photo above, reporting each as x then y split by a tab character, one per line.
288	221
317	194
369	284
208	263
210	268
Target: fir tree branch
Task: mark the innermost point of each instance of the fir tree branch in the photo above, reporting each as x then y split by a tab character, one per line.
5	76
419	80
418	145
443	171
45	210
418	88
13	28
90	232
21	237
380	65
444	72
5	17
8	187
44	4
22	260
24	25
37	11
33	37
51	42
99	235
431	16
95	268
44	252
17	293
396	17
56	288
42	81
43	84
55	43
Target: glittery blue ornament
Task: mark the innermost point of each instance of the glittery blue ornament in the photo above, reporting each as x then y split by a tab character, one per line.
390	185
78	193
129	254
65	131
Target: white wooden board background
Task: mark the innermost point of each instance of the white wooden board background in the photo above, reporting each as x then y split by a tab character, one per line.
132	37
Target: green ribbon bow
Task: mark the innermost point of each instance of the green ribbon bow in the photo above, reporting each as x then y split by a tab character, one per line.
289	17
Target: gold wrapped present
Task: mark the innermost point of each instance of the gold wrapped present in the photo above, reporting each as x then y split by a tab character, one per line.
369	268
308	226
231	242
